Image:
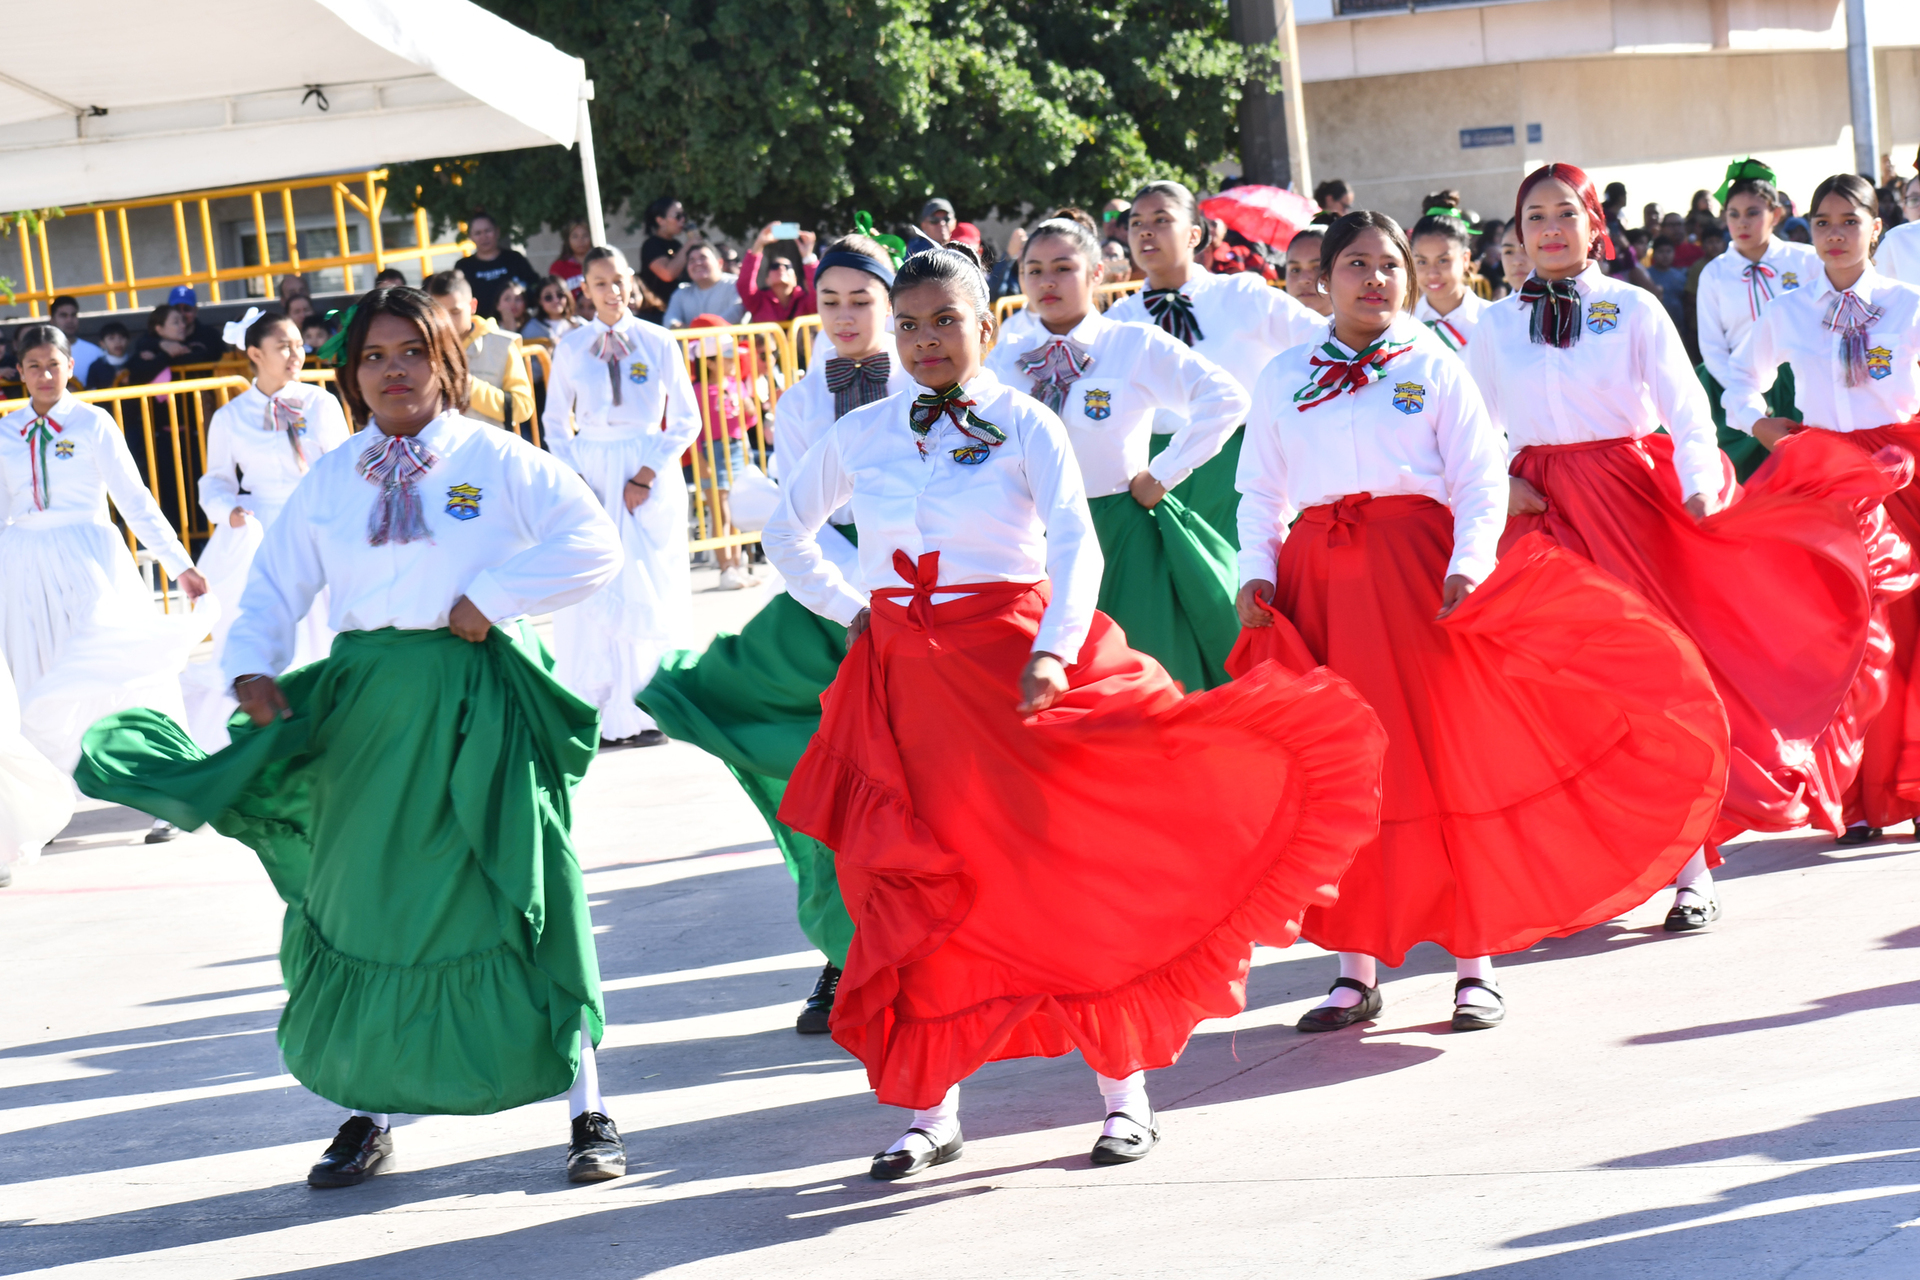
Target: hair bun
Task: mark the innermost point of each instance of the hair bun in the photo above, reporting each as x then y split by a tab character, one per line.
965	251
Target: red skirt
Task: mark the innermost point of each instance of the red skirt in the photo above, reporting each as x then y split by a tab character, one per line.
1776	590
1555	753
1872	751
1091	877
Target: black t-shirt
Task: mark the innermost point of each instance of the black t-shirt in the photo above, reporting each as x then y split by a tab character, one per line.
488	277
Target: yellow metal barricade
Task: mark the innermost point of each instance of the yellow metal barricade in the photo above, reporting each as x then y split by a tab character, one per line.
805	332
739	374
120	281
537	355
1104	296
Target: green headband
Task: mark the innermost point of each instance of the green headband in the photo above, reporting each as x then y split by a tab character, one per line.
1748	170
896	247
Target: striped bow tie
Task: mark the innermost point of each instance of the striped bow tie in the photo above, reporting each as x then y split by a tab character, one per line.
857	382
1759	280
1339	374
1172	310
953	404
289	416
1849	317
39	435
612	349
396	463
1054	369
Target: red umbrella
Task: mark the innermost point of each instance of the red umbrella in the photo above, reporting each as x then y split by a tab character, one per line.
1269	215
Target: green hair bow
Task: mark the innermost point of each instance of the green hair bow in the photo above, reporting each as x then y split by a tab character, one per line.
896	247
334	349
1748	170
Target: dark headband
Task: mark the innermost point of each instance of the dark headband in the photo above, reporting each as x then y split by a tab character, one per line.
858	261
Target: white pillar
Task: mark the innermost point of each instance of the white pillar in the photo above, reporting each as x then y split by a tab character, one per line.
1866	137
589	174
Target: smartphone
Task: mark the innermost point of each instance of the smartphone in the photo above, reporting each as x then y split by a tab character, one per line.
786	231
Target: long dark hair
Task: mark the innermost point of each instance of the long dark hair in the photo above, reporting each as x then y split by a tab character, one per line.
444	351
1188	202
656	211
1348	225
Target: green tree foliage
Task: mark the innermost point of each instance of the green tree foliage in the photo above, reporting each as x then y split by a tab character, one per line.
752	110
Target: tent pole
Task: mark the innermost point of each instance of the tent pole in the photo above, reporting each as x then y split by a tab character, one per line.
589	173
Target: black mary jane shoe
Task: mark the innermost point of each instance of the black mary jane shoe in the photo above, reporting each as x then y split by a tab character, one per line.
818	1012
891	1166
360	1150
1860	835
1114	1150
596	1152
649	738
163	832
1328	1018
1478	1017
1686	917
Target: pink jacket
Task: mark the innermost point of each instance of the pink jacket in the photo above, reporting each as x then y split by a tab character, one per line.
762	306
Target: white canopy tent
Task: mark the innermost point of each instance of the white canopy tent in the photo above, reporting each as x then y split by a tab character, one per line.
105	100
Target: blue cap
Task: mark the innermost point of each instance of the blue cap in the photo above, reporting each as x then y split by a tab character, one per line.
183	296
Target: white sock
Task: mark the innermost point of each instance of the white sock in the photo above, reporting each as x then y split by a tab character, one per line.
937	1124
1694	884
1480	969
380	1118
1128	1095
585	1094
1361	968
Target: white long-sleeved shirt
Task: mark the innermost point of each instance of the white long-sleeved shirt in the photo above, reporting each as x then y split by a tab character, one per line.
87	461
1897	256
805	413
1421	428
1019	516
512	528
654	384
1728	303
1244	321
1109	413
1455	329
243	448
1793	332
1627	376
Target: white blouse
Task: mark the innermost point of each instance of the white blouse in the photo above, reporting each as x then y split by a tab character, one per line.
1421	428
1018	516
1734	293
243	447
1897	256
654	385
1627	376
1109	412
1455	329
1244	321
512	528
86	460
1793	332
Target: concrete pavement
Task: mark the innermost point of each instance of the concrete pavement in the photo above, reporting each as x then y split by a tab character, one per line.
1737	1103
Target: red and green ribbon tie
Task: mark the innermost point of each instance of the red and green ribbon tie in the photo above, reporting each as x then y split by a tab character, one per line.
1339	374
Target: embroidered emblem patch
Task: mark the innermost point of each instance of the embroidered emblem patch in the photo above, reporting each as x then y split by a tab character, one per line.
1789	279
1603	317
1409	397
637	372
971	455
463	501
1099	404
1879	363
63	448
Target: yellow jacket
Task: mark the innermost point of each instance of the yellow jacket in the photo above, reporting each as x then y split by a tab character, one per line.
498	375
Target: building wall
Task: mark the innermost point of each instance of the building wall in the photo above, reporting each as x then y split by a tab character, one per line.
1664	124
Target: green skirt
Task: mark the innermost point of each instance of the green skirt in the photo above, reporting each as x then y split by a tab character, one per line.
1169	582
414	814
1210	492
1747	453
753	700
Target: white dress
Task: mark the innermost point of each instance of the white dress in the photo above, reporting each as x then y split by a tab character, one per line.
79	628
36	800
252	464
608	647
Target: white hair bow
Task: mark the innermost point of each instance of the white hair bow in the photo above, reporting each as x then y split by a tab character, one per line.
236	331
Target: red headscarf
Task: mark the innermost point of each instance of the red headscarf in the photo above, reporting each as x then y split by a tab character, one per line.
1583	191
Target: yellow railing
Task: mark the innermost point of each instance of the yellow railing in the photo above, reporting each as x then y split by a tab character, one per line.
170	447
1104	296
805	331
364	192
